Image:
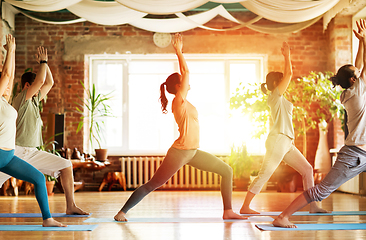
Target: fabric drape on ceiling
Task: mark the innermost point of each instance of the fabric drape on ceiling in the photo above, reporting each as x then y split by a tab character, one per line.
43	5
287	15
289	11
105	13
162	6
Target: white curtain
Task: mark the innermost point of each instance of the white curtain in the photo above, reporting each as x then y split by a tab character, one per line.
288	15
105	13
162	6
289	11
43	5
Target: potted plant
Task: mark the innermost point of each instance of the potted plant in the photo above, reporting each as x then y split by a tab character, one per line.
94	108
241	163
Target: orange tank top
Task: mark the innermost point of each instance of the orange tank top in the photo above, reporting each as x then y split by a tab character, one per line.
186	116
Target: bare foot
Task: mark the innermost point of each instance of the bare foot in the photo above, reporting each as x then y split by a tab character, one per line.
75	210
229	214
315	209
247	210
50	222
283	222
120	217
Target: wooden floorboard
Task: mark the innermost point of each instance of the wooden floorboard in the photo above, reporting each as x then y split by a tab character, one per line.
181	204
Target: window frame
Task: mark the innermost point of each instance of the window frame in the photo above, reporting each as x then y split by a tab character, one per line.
259	59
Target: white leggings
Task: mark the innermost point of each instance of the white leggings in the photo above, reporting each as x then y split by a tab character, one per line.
280	147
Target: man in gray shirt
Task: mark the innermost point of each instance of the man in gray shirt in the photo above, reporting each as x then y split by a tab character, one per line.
29	131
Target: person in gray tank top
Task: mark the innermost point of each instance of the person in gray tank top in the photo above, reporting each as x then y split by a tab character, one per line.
11	165
279	144
29	131
351	158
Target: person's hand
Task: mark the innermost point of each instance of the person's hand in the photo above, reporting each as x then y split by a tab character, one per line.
177	42
361	29
285	49
10	43
42	54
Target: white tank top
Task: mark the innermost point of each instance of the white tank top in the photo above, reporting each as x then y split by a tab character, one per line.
281	113
354	101
8	116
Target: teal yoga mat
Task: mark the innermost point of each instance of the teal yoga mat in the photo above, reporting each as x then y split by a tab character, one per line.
35	215
40	228
303	213
315	227
179	220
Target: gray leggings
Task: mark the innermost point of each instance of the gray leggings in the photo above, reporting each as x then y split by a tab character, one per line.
173	161
351	161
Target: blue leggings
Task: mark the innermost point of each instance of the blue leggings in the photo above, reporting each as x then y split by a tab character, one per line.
16	167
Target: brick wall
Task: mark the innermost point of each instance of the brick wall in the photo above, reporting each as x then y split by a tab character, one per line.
68	44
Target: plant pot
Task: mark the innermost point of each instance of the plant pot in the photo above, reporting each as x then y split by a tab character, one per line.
49	186
101	154
241	183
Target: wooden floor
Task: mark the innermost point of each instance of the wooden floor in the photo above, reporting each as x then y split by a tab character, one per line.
180	204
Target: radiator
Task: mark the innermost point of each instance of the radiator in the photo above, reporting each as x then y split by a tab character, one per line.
139	170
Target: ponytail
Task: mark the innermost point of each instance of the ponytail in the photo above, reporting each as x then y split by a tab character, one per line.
334	80
163	99
264	89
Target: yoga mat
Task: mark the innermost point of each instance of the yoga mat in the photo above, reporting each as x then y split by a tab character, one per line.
315	227
178	220
40	228
303	213
35	215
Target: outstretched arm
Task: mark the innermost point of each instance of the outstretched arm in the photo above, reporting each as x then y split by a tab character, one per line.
361	34
178	46
41	74
7	75
48	84
287	75
359	56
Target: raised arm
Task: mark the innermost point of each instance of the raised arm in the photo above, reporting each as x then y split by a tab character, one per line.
359	55
7	75
48	84
41	74
361	35
287	75
178	46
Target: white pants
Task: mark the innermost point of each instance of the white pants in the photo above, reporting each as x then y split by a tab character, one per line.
280	147
45	162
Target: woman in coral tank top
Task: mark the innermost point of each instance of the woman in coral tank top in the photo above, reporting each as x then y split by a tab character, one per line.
185	149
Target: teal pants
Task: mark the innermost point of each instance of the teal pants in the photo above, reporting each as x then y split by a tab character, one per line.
16	167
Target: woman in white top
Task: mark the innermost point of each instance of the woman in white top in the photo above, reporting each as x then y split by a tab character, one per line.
351	159
9	163
280	141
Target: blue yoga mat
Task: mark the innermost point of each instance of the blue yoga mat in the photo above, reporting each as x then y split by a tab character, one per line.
36	215
40	228
315	227
302	213
178	220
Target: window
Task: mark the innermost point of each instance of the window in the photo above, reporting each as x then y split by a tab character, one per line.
139	126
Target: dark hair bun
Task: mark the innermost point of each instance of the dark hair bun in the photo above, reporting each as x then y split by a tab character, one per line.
263	88
334	80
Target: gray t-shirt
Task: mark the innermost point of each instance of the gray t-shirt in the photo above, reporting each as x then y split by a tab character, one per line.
354	101
29	122
8	116
281	112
